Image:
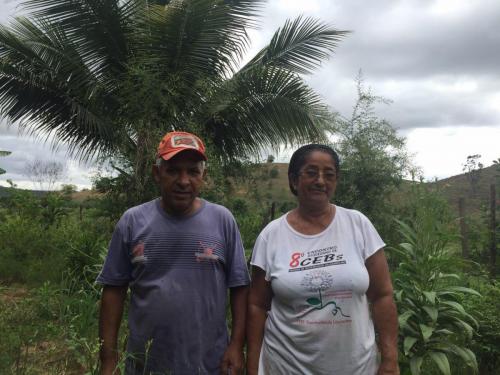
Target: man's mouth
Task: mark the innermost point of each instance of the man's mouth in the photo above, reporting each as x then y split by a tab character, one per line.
182	193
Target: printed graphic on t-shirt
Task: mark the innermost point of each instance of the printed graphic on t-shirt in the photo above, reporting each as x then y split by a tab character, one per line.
329	256
206	253
320	284
138	253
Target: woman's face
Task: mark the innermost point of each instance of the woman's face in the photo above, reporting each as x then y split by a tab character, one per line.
317	179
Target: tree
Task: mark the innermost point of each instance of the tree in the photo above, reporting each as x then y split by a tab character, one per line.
4	153
44	173
110	77
472	168
374	158
496	163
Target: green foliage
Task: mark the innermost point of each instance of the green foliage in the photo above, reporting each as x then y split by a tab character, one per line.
274	173
472	168
4	153
485	308
434	325
37	245
373	157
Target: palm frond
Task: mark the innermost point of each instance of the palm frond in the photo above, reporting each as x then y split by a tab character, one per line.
98	28
299	46
262	108
197	37
46	86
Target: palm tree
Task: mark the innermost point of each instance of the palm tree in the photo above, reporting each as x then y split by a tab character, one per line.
109	77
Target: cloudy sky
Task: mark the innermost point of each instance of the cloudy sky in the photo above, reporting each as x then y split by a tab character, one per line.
437	60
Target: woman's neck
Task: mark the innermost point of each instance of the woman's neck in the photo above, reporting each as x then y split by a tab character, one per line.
311	220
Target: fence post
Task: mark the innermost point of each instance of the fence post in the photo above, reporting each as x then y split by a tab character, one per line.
493	230
463	228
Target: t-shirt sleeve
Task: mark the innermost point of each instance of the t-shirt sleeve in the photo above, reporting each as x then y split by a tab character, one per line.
237	274
371	238
260	256
117	269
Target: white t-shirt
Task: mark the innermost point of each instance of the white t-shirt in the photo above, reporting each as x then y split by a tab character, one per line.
319	322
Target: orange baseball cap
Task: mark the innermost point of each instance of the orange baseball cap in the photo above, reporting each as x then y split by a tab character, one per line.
174	142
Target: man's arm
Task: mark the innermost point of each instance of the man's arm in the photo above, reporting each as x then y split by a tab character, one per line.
384	313
110	317
259	303
233	357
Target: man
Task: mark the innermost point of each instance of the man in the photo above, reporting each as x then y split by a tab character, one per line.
178	254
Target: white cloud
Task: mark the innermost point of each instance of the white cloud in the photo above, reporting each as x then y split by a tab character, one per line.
442	151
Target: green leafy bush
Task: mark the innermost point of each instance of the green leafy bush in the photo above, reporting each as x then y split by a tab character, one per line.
485	308
434	325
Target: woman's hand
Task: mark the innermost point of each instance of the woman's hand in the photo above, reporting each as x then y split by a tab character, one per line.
388	367
384	314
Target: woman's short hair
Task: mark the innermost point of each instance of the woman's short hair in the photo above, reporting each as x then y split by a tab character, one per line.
299	157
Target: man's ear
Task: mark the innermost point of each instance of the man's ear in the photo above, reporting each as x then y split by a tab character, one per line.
156	173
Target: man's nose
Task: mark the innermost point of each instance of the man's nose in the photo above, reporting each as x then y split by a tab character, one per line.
183	178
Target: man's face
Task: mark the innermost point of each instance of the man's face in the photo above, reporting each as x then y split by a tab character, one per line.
180	180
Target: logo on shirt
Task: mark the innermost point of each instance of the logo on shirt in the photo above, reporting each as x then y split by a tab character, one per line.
206	253
319	258
138	253
318	281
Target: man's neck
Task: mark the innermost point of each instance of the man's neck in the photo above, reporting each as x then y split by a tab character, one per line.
197	203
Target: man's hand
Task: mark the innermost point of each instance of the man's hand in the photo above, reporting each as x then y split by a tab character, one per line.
232	361
110	317
388	368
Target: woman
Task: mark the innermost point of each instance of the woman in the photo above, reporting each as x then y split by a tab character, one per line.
320	284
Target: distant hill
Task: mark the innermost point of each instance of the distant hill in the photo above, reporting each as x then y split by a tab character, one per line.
5	191
272	185
456	187
451	188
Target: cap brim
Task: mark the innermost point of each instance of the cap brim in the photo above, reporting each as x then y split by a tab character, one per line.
171	154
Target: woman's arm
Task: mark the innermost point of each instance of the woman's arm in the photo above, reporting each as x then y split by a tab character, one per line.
384	313
259	303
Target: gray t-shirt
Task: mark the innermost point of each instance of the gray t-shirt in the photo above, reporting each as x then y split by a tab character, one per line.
178	270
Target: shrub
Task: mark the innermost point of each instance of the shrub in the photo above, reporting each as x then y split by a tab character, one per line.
485	308
434	325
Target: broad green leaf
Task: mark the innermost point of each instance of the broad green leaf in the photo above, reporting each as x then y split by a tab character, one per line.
313	301
398	295
441	361
468	329
455	305
415	364
473	360
444	331
404	317
408	343
4	153
432	312
431	296
408	247
426	331
464	290
2	171
468	356
448	275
